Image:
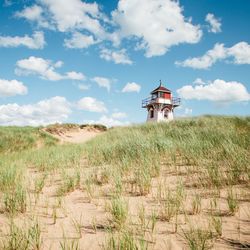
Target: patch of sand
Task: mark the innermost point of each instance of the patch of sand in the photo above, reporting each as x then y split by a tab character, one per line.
76	135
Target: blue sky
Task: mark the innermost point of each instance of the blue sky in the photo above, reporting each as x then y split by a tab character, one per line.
94	61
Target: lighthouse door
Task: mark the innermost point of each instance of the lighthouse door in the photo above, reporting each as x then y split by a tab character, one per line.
166	114
151	113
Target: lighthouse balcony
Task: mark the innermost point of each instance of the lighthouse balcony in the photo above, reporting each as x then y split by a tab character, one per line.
148	101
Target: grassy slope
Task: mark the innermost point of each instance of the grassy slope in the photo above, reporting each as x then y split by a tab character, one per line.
16	139
212	153
215	145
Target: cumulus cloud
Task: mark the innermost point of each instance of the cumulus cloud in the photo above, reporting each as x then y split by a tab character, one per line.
240	53
131	87
157	24
108	121
92	105
45	112
215	24
118	56
79	41
199	81
12	88
74	15
119	115
183	111
153	26
36	41
45	69
103	82
34	13
75	75
217	91
188	111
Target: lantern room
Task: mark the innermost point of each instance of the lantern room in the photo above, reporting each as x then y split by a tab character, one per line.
160	105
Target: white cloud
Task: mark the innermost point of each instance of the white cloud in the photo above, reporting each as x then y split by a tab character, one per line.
119	115
45	69
131	87
107	121
34	13
74	15
118	57
75	75
207	60
31	13
79	41
188	111
217	91
91	104
83	86
12	88
111	122
36	41
215	25
103	82
154	26
157	24
45	112
199	81
240	53
183	111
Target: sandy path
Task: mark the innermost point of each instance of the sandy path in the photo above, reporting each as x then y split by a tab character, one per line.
76	135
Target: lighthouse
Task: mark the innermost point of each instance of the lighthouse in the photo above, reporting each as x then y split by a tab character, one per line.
160	105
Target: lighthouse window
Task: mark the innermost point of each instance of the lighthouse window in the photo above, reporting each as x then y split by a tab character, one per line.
151	113
161	94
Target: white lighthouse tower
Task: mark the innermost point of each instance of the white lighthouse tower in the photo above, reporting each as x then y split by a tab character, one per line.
160	105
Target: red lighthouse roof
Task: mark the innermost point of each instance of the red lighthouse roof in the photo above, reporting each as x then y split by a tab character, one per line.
161	89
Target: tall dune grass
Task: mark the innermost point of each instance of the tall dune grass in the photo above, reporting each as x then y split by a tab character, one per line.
16	139
218	146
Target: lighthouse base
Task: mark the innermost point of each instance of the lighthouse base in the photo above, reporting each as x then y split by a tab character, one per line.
160	115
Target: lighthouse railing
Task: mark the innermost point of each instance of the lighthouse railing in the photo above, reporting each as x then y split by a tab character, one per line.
147	101
175	101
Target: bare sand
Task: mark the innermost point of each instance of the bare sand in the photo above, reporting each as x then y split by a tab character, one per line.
76	135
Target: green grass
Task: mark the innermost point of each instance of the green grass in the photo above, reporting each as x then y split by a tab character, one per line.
218	146
16	139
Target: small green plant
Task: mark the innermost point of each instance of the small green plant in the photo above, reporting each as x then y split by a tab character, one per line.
89	186
78	226
196	204
232	201
18	238
216	223
39	184
70	183
143	181
171	203
198	239
153	219
35	234
125	240
70	244
142	218
23	238
15	201
119	212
